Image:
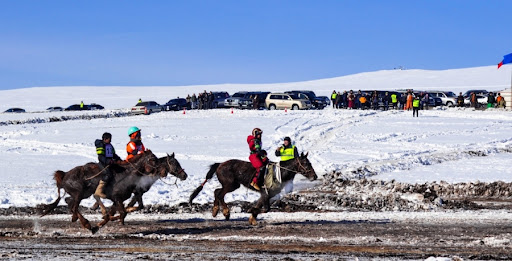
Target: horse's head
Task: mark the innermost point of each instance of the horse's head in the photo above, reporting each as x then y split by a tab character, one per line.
305	167
170	164
149	162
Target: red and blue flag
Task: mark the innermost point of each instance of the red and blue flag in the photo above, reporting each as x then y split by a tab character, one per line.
506	59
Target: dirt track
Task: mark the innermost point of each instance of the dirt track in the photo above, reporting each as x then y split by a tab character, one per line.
197	236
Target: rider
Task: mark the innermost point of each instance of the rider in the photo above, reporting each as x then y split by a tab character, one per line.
107	157
287	151
135	145
258	157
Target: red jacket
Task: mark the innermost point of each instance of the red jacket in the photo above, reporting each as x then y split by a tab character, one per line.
254	144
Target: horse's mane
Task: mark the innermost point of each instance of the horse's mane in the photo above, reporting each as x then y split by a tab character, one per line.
135	158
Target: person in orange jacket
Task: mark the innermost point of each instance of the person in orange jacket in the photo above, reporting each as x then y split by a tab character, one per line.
135	145
409	101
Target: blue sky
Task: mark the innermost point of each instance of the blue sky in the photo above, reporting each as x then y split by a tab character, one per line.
56	43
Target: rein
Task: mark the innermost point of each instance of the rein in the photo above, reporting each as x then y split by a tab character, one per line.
97	174
295	171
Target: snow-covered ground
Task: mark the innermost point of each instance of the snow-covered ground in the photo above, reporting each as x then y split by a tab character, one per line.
442	144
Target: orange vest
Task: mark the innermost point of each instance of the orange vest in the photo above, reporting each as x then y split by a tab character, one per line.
132	149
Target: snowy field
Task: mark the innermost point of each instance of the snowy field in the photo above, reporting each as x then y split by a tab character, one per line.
442	144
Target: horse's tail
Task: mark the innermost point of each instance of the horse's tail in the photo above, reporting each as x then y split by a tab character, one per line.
59	176
209	175
45	209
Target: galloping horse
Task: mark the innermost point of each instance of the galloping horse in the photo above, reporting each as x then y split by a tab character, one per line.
167	164
81	182
233	173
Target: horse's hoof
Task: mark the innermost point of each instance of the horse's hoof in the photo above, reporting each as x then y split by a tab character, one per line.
131	209
94	230
74	219
226	213
215	211
253	221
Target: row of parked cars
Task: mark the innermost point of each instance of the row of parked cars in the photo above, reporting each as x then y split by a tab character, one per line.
74	107
294	100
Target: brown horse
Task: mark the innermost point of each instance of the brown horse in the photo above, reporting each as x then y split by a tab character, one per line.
81	182
166	165
233	173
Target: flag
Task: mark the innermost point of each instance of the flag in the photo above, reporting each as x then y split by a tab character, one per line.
506	59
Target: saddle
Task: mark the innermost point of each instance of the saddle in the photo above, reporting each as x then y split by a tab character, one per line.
273	176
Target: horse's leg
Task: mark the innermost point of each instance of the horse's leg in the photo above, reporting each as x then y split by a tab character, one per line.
108	216
216	202
257	209
83	221
137	198
100	204
222	193
122	212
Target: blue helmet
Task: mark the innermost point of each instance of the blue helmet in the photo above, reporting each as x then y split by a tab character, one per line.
132	130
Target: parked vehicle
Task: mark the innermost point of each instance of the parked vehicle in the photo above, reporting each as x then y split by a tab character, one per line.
146	107
247	102
87	107
15	110
326	99
219	98
95	106
55	109
234	100
477	92
175	105
76	107
448	98
480	99
316	103
286	100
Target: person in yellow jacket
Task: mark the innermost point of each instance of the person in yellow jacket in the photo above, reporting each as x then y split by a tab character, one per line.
287	151
333	98
415	106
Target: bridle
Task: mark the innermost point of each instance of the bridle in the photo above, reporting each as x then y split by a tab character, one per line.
170	167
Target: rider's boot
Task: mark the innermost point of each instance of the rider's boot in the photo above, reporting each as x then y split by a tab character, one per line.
254	182
261	177
99	190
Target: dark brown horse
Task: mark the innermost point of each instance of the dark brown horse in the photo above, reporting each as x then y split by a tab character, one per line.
167	164
233	173
81	182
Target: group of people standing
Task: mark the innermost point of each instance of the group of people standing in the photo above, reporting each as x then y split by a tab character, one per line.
203	101
492	101
362	100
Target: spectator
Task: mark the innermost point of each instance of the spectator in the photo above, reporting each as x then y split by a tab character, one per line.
344	100
460	100
193	101
416	106
188	101
255	102
338	101
375	101
473	100
333	98
409	101
351	98
491	100
394	100
362	101
500	101
385	100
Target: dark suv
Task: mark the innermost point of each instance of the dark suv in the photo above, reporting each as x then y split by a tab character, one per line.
317	103
247	102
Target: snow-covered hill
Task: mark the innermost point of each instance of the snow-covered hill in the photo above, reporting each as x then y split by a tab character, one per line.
117	97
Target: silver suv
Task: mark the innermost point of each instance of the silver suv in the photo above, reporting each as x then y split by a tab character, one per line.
448	98
286	100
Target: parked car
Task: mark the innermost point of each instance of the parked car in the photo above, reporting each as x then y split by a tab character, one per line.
448	98
326	99
246	102
234	100
219	98
316	102
286	100
477	92
55	109
95	106
15	110
146	107
175	105
480	99
76	107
